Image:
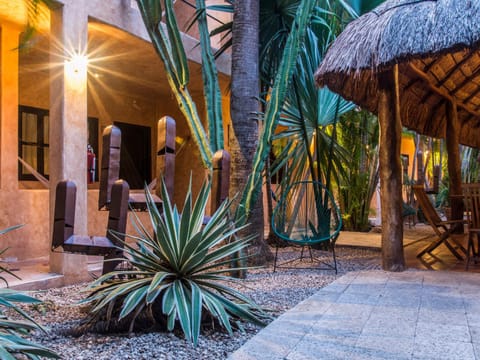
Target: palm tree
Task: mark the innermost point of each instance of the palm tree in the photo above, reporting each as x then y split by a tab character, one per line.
245	87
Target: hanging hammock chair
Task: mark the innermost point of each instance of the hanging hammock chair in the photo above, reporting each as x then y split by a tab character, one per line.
308	216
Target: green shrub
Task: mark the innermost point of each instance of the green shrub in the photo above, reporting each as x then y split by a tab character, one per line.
178	272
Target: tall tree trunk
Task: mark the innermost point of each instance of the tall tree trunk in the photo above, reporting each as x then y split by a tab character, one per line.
243	137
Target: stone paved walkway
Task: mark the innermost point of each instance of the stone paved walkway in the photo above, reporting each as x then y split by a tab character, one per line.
378	315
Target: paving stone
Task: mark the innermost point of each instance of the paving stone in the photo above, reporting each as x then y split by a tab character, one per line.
475	333
332	327
390	327
341	312
442	350
476	349
370	298
321	346
395	313
440	302
443	317
378	315
395	299
442	332
365	289
383	347
337	352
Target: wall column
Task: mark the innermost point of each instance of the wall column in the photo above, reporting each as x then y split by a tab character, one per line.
390	171
9	109
68	121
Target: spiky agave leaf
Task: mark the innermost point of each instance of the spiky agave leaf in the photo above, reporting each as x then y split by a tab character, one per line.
180	268
11	341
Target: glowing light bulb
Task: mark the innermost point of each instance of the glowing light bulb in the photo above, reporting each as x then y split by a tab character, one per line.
76	71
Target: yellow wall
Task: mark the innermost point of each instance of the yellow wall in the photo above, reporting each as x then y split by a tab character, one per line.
408	148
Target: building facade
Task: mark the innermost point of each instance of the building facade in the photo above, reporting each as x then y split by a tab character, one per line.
90	65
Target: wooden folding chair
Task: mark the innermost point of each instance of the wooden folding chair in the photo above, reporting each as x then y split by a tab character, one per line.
443	229
471	194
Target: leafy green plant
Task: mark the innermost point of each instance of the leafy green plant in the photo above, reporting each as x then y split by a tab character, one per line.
358	132
3	268
11	331
178	271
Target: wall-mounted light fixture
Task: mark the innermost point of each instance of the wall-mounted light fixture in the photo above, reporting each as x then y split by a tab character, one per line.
76	68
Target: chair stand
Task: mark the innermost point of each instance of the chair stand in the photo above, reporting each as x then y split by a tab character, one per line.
471	249
327	266
444	230
307	215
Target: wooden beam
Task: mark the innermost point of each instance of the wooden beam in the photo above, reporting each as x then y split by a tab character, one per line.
472	95
440	91
455	68
390	171
467	80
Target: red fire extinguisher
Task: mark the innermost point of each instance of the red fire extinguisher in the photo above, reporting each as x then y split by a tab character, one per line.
90	164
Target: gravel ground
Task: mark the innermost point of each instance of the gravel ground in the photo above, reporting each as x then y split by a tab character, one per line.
277	291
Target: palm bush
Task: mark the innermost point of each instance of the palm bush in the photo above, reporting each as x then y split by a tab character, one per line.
358	132
178	272
12	331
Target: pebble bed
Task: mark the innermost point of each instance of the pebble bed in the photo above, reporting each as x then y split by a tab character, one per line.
277	292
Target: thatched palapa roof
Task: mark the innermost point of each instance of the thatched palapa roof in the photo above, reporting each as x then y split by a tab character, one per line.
437	47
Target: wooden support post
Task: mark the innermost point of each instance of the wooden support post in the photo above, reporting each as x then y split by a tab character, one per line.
110	165
390	171
166	155
117	222
420	168
220	179
454	166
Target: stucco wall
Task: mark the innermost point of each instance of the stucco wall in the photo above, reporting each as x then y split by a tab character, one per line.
27	202
28	207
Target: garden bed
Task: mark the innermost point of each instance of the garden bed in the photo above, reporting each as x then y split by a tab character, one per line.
277	292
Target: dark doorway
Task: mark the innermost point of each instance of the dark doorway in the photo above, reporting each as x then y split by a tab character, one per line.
93	141
135	158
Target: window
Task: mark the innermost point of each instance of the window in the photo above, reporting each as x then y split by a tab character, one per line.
33	141
33	144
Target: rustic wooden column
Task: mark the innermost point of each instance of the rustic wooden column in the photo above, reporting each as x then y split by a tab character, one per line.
166	133
454	166
390	171
220	179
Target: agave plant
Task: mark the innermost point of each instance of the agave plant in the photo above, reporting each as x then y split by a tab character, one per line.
11	331
178	271
3	268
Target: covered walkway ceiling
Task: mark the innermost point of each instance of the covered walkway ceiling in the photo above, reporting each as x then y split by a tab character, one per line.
117	59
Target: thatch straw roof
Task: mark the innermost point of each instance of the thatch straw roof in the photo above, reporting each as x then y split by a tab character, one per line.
437	47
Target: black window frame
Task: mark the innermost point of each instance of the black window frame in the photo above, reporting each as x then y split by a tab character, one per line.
40	143
93	124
